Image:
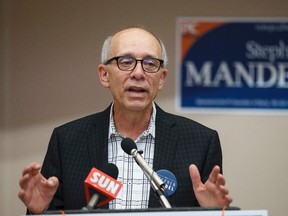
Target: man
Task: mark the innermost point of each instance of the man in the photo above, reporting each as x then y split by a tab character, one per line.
134	69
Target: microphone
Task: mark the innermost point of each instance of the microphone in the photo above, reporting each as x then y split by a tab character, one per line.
129	147
101	186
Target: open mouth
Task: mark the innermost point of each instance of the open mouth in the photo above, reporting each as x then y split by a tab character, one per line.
136	90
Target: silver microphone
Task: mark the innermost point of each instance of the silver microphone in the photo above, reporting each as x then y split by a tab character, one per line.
129	146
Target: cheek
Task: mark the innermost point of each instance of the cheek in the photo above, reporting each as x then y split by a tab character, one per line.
158	83
154	85
114	79
117	83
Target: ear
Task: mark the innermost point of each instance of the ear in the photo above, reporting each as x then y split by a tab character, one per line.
103	75
162	78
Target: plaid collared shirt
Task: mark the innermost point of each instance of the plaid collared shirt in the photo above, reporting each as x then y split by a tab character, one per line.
136	186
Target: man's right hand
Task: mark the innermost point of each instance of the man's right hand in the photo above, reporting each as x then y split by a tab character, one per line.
36	191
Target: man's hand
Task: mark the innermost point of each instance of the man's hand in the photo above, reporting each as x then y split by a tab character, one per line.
213	192
36	192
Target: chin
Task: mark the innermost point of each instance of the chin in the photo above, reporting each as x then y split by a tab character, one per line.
137	106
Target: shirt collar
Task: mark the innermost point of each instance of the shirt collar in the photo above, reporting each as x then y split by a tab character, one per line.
149	130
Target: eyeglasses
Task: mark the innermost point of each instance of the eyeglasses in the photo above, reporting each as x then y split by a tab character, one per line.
127	63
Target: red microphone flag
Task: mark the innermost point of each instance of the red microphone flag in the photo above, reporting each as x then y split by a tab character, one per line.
104	184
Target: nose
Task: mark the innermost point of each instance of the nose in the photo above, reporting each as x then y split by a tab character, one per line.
138	72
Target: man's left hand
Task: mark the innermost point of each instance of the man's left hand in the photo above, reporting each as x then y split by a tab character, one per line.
213	192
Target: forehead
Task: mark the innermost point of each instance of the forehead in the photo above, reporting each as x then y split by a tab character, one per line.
135	42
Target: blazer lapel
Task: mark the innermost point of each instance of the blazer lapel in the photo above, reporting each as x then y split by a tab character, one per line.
165	147
98	139
165	142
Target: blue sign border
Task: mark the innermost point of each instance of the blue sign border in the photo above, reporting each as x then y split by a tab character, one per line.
214	45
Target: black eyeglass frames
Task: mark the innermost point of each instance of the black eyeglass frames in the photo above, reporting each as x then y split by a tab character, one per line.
127	63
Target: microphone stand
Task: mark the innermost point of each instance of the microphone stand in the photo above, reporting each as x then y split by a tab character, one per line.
92	202
156	182
147	169
160	195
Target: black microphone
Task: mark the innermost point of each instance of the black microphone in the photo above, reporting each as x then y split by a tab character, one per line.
129	147
101	186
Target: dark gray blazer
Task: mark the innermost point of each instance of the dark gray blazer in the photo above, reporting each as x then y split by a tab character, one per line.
78	146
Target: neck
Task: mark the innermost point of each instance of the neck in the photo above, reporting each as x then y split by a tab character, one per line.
132	123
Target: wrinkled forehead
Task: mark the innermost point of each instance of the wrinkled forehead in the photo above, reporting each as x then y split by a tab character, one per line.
135	42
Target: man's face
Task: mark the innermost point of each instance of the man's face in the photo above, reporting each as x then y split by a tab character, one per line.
133	90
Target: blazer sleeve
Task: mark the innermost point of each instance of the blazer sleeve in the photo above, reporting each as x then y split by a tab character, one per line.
213	156
52	167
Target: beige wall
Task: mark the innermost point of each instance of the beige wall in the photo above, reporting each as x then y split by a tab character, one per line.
49	55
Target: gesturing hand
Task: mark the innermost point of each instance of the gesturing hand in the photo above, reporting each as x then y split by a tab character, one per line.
213	192
36	192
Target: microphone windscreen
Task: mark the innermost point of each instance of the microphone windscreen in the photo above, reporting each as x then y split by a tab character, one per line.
127	145
111	170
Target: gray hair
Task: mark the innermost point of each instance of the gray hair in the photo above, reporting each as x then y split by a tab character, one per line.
106	50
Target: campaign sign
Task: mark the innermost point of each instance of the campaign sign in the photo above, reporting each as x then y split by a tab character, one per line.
226	64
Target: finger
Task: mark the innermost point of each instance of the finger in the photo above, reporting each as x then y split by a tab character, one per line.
29	176
53	182
195	176
32	168
50	184
228	199
28	172
50	187
224	190
214	174
24	180
220	184
220	180
21	195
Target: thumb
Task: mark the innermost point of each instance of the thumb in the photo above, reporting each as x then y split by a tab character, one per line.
195	176
53	182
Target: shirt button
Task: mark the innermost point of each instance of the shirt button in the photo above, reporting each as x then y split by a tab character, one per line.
129	182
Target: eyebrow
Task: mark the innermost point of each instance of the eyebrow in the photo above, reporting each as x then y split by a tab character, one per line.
132	55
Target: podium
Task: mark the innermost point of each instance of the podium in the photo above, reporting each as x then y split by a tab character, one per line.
194	211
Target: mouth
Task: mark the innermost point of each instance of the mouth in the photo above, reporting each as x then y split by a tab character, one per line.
135	89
